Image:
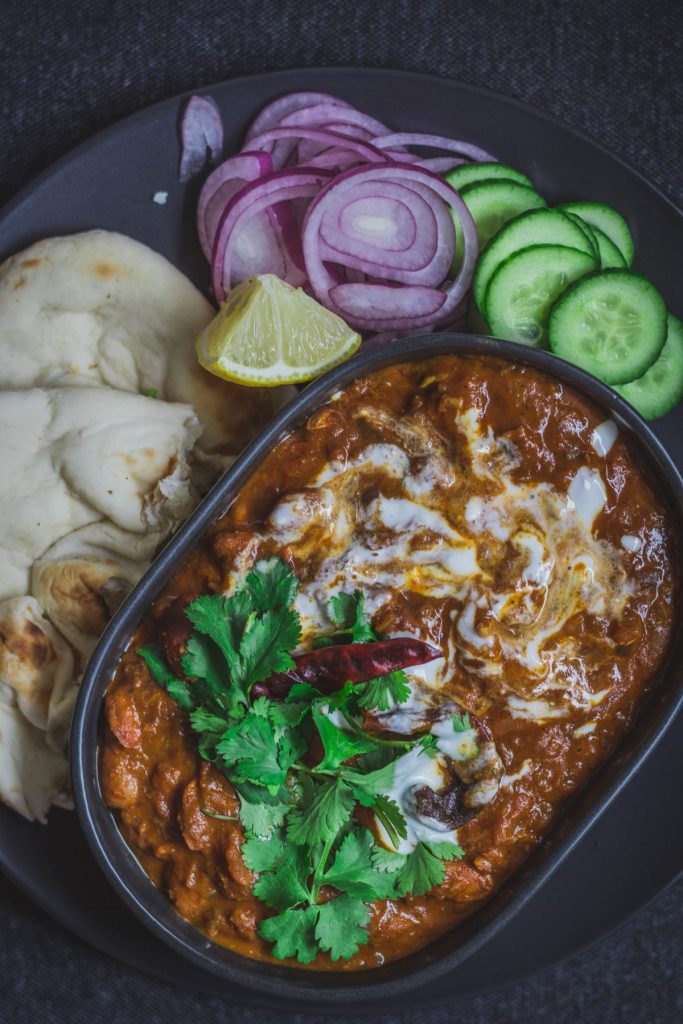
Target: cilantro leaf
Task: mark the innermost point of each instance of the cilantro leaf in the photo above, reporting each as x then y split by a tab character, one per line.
353	872
342	926
153	657
210	727
263	854
287	714
284	885
281	888
391	817
372	774
291	746
378	759
221	619
325	808
293	934
430	744
338	745
385	692
251	748
181	692
178	689
420	872
461	723
347	612
342	699
445	850
205	721
261	811
272	584
386	860
265	643
301	833
302	692
203	660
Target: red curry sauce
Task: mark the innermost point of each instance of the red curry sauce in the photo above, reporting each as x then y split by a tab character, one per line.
594	668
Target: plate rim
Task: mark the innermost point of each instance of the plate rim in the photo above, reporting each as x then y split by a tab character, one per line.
127	120
24	193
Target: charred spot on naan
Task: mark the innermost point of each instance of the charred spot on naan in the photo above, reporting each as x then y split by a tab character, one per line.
108	270
28	643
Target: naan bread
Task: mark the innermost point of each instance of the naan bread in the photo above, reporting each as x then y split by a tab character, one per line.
108	425
80	595
100	308
36	663
37	696
32	774
76	456
79	467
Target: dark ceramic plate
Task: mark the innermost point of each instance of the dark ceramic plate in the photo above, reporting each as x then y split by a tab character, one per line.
628	856
452	949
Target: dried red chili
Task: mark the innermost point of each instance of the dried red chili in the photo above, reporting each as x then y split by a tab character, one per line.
330	667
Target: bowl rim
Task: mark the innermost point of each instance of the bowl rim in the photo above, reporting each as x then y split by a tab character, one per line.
117	860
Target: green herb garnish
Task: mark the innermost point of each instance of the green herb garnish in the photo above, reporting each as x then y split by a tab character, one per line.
318	867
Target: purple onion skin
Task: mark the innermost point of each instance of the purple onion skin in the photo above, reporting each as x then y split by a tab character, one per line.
201	129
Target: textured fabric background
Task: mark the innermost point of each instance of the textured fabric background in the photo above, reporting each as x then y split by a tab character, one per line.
613	68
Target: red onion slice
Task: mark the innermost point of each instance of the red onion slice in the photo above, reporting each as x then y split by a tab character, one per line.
401	235
326	115
375	305
240	260
256	250
434	142
441	164
273	112
339	159
307	150
219	188
386	304
201	129
363	150
254	197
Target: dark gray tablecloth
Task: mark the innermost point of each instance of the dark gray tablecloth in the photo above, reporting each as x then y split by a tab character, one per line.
611	68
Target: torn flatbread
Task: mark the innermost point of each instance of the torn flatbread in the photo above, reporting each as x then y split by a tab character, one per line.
75	456
109	427
100	308
80	595
36	663
32	774
80	467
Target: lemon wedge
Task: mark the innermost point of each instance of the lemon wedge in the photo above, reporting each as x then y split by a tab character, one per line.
268	333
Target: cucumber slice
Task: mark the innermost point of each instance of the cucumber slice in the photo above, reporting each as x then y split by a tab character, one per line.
524	287
540	227
467	173
587	230
661	387
492	204
597	215
606	252
610	255
613	324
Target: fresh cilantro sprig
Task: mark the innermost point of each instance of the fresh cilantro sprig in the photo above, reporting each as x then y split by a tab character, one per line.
302	765
348	615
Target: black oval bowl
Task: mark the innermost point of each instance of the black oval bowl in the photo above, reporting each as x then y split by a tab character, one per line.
99	824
